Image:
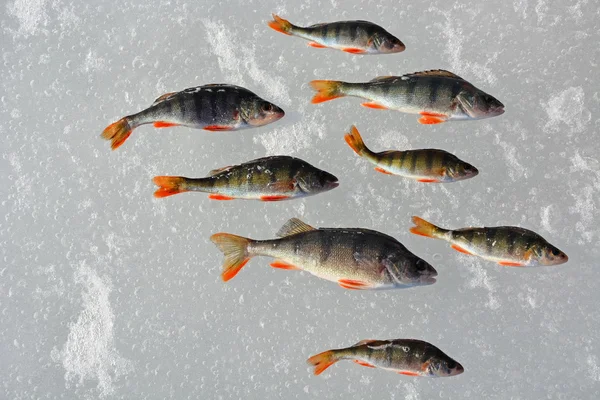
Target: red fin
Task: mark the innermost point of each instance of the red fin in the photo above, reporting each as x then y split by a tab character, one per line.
168	185
432	114
424	228
431	120
326	90
163	124
117	133
383	171
428	180
217	128
374	105
280	25
511	264
353	284
235	250
461	250
353	50
283	265
274	198
409	373
219	197
322	361
317	45
364	364
230	273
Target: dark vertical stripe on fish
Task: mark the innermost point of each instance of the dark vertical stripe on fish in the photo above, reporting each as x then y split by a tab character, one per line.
433	94
326	246
410	90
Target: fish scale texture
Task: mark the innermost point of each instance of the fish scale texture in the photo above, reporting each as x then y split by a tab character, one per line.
109	293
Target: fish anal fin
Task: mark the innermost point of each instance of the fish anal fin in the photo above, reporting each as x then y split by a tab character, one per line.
280	264
364	364
461	250
294	226
374	105
216	196
164	124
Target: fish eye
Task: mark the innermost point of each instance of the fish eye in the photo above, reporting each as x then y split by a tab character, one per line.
267	107
555	252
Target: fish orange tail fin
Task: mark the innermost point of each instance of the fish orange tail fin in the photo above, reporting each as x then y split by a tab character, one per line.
322	361
426	229
326	90
355	141
117	132
169	185
281	25
235	249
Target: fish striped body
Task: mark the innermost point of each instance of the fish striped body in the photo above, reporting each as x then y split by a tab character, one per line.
354	258
357	37
268	179
438	96
215	107
404	356
507	245
424	165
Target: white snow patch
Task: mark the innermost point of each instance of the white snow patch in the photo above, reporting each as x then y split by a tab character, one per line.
594	370
567	107
516	171
292	139
546	212
480	279
237	59
90	353
31	15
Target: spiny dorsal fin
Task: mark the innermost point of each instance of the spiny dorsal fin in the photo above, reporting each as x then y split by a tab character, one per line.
219	170
163	97
294	226
384	78
436	72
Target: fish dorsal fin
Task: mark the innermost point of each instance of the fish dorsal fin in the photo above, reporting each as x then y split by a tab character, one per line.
219	170
293	227
320	24
436	72
384	78
163	97
366	341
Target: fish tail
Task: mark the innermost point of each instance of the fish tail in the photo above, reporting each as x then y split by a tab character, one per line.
355	141
170	185
426	229
322	361
281	25
235	249
326	90
117	132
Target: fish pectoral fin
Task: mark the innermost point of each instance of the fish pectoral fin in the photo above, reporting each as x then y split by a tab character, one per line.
428	180
280	264
353	50
216	196
274	198
383	171
164	124
461	250
511	264
372	104
353	284
214	128
317	45
408	373
283	186
364	364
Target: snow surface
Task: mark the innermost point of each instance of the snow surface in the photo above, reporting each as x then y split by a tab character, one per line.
106	292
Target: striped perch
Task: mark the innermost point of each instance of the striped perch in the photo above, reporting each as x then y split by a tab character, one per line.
268	179
356	37
215	107
354	258
424	165
510	246
404	356
438	96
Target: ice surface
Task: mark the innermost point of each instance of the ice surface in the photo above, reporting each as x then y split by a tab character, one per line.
106	292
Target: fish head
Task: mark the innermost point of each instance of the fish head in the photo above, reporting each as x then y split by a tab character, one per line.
442	366
460	171
547	254
478	105
258	112
411	272
386	43
312	180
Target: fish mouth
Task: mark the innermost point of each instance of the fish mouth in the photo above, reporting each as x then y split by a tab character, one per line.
428	280
332	185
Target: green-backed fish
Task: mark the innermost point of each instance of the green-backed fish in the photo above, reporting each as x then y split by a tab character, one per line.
404	356
354	258
268	179
356	37
510	246
424	165
438	96
214	107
